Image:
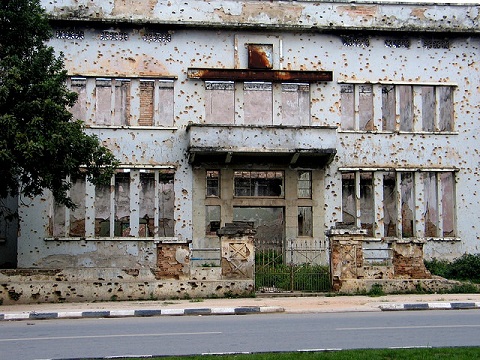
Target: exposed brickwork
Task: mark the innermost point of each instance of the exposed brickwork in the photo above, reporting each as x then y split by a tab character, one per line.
408	261
146	103
172	261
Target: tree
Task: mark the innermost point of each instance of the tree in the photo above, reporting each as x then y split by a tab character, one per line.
41	146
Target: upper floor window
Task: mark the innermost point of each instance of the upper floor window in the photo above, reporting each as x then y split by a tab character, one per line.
137	203
397	107
123	102
213	183
257	103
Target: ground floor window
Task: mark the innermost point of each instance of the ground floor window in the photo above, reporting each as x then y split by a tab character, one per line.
399	203
137	203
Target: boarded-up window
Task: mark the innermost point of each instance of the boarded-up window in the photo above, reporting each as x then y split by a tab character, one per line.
121	112
103	102
347	103
304	184
407	204
428	108
431	204
166	205
146	103
258	103
213	183
446	117
212	219
389	204
79	110
258	183
447	180
165	103
406	107
58	226
295	104
388	108
365	108
349	205
367	213
219	102
305	221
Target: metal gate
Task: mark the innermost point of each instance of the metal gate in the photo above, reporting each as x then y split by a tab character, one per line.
294	266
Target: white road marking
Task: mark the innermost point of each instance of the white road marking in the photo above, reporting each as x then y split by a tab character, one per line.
110	336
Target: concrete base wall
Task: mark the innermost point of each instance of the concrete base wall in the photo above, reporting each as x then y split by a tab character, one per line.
107	284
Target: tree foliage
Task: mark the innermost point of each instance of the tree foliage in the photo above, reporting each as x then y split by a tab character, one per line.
40	145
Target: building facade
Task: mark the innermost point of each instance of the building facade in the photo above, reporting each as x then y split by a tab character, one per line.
290	116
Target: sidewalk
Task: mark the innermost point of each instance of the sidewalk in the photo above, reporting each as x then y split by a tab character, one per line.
284	303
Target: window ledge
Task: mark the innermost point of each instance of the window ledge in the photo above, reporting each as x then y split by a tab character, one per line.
155	240
128	127
380	132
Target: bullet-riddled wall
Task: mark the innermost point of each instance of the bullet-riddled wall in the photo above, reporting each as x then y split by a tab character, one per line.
390	139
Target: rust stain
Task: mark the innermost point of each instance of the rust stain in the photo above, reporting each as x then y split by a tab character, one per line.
419	13
276	14
354	11
133	7
259	75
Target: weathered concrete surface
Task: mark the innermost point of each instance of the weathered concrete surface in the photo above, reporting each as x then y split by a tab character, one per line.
75	285
298	15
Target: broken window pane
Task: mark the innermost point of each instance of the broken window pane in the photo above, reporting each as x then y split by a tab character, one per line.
258	183
447	180
79	110
121	113
147	204
219	102
103	104
122	204
212	219
147	88
367	213
445	121
406	107
295	104
213	183
388	108
102	210
304	184
347	103
166	204
407	204
428	108
258	103
77	215
305	221
365	107
431	204
389	204
349	207
166	103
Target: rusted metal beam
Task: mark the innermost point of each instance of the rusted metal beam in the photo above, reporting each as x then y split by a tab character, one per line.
259	75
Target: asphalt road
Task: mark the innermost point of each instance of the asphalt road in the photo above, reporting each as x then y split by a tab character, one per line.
83	338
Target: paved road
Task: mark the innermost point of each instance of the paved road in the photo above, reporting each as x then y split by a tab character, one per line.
61	339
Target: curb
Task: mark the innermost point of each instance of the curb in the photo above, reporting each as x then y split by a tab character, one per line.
431	306
33	315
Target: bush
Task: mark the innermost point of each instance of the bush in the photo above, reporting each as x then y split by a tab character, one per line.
466	267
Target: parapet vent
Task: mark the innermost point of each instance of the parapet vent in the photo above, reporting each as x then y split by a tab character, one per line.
68	34
108	35
157	37
436	43
355	40
398	43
